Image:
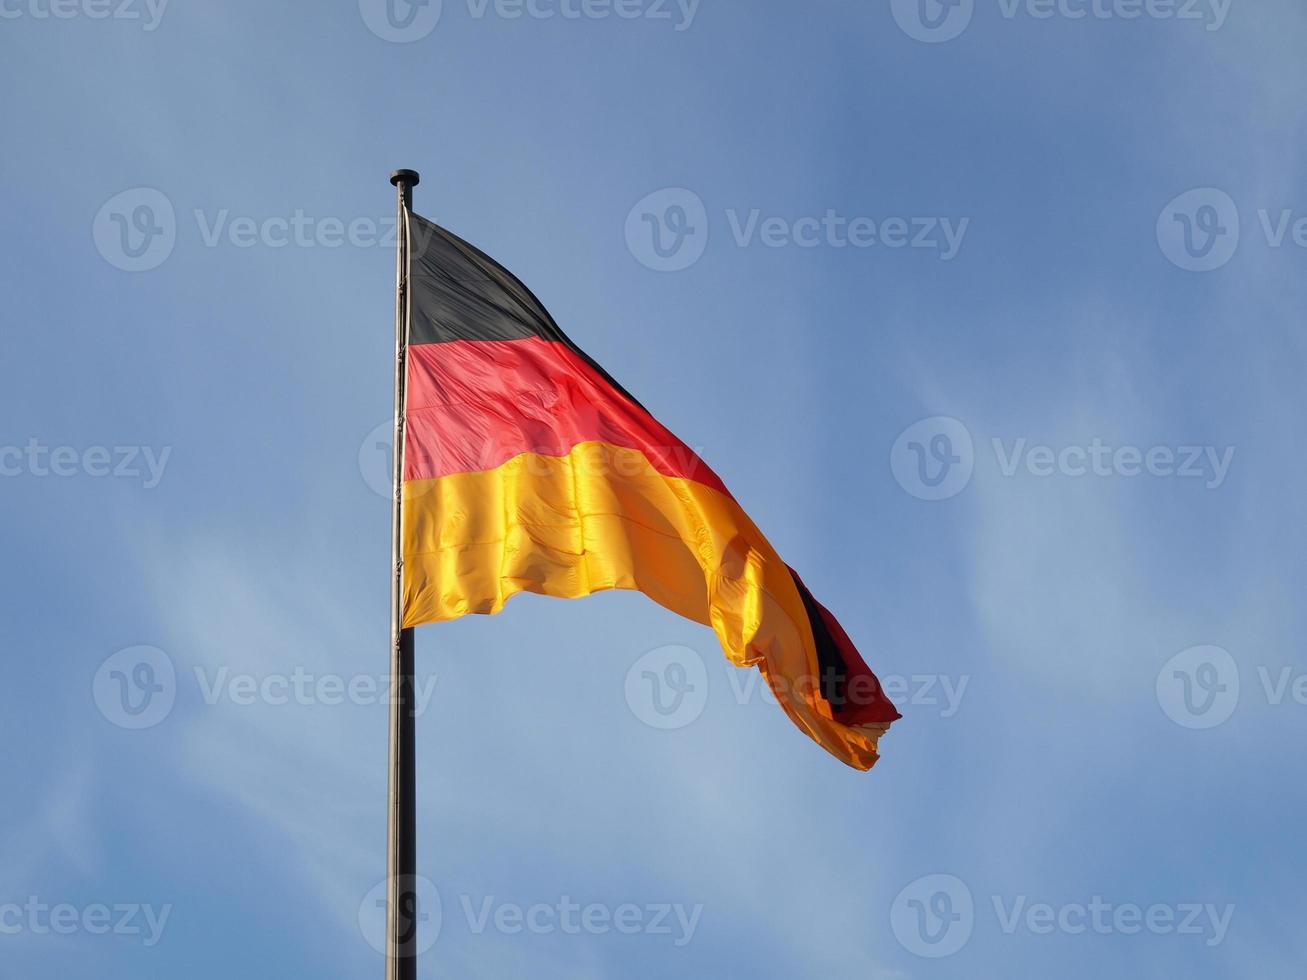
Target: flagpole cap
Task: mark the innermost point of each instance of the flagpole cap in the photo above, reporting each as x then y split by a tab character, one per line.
409	177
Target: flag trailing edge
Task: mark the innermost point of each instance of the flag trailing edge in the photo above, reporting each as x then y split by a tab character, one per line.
527	468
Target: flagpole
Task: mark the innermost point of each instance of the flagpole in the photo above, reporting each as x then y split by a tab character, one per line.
402	913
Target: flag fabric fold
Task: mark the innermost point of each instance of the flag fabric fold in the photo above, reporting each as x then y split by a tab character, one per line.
529	469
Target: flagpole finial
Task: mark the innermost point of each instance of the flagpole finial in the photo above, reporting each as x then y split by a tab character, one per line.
410	177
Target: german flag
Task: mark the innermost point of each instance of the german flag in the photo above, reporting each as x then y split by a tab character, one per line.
527	468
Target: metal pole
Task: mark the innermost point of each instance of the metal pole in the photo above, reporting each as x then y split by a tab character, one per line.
402	913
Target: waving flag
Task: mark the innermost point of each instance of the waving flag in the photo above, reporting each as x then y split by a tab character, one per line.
527	468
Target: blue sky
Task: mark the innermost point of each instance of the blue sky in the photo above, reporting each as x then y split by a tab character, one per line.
990	314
